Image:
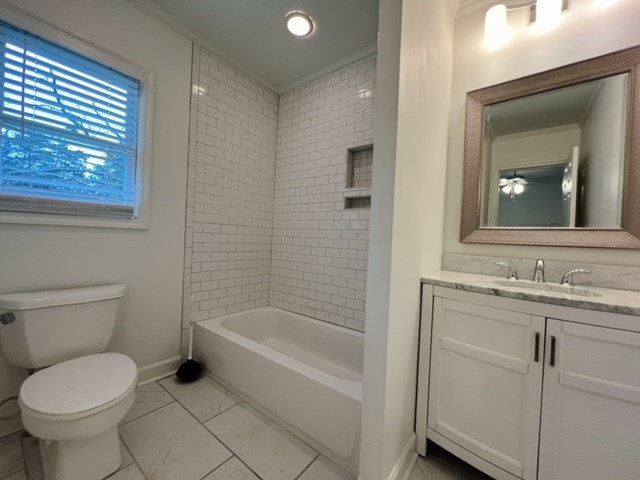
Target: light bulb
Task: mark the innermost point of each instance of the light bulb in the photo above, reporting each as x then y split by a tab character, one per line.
298	24
506	189
496	31
547	14
518	188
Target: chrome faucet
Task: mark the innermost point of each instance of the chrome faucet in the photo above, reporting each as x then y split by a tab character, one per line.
513	273
538	273
567	278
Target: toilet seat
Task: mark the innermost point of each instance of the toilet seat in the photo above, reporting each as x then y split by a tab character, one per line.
79	387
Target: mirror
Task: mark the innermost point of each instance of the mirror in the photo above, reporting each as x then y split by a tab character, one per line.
553	158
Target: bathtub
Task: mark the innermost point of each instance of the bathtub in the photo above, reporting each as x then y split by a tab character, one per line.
306	372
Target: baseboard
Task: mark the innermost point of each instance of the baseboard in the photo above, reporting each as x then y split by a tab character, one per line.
406	461
158	370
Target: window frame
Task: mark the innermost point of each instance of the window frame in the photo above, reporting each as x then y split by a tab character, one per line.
81	46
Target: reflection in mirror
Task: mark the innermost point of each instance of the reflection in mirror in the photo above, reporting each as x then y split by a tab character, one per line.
581	120
556	159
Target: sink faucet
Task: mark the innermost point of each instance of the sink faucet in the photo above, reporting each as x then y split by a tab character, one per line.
567	278
538	273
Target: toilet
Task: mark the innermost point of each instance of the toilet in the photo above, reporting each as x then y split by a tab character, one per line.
78	395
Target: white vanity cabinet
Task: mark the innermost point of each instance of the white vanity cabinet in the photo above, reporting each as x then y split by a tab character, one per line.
528	390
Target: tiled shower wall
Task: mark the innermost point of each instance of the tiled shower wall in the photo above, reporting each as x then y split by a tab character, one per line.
319	261
313	254
232	154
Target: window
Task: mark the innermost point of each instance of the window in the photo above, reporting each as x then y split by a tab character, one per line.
69	132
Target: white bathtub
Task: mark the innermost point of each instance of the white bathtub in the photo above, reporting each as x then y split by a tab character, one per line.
304	371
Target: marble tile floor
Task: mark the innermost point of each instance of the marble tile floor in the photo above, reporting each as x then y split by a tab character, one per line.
201	431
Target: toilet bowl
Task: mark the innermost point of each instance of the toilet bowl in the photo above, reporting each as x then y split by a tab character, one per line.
74	408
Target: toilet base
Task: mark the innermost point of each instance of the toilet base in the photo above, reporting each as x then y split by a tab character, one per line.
87	459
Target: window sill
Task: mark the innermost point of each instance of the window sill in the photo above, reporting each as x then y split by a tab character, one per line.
71	221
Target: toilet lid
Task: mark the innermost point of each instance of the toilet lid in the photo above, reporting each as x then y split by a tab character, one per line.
79	384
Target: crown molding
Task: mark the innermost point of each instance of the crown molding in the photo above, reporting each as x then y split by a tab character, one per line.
330	68
160	14
150	7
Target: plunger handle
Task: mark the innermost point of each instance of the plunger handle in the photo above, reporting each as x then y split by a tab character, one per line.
190	355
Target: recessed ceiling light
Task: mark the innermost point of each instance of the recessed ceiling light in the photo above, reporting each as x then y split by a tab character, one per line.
298	24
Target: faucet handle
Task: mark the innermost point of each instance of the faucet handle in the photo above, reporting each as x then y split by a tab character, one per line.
567	278
513	274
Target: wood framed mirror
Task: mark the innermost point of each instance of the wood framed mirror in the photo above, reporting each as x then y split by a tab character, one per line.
554	158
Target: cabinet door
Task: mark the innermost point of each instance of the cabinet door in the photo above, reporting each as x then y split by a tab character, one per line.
590	427
485	385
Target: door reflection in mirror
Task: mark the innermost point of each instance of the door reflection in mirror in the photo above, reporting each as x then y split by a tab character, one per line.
569	147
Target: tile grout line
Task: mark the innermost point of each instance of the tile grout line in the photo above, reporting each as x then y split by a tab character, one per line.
185	407
135	460
307	467
271	421
233	453
147	413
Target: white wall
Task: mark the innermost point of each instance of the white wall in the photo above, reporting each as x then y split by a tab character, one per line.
319	263
230	191
590	28
406	218
148	261
602	148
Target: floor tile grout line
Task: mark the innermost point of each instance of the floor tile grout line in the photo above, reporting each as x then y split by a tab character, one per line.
233	453
147	413
19	436
186	408
14	473
220	412
240	458
135	460
307	467
271	420
19	431
218	466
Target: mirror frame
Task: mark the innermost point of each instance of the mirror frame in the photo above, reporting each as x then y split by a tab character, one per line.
628	235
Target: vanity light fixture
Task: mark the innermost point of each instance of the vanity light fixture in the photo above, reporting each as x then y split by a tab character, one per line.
544	14
496	30
547	14
298	24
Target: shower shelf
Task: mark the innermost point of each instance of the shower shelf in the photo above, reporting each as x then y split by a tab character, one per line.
357	192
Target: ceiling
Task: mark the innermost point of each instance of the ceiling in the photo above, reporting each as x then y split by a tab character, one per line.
565	106
250	34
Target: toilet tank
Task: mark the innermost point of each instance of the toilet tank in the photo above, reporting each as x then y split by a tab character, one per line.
38	329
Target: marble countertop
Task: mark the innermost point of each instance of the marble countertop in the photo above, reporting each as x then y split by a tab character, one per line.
601	299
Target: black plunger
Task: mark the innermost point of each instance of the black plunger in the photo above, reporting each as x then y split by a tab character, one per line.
189	370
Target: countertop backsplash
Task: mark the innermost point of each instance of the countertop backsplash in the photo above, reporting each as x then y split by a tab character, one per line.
605	276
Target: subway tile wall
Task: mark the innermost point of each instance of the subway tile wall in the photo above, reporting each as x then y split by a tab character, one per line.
319	259
232	155
261	231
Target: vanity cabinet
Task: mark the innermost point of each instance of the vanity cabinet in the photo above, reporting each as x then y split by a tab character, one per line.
525	390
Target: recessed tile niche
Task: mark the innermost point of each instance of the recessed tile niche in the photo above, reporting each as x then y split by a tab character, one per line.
357	192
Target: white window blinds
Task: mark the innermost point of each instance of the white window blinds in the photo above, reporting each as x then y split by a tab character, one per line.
68	131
